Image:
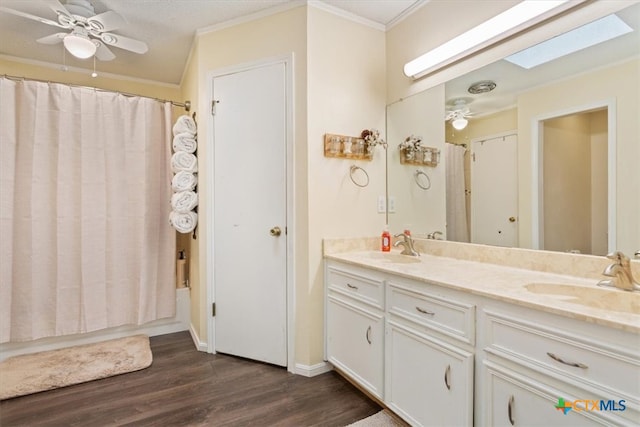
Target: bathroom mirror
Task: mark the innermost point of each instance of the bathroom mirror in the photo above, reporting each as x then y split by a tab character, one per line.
593	93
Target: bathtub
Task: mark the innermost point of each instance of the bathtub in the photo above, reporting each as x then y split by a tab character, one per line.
180	322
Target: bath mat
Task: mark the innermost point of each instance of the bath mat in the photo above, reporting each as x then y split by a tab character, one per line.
31	373
379	419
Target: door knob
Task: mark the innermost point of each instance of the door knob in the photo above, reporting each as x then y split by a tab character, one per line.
275	231
512	219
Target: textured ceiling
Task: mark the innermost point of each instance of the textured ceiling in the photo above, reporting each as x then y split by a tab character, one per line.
167	26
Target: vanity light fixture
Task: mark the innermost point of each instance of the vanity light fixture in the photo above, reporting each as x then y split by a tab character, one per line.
491	31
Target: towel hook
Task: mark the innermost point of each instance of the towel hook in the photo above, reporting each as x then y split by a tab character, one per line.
353	170
419	181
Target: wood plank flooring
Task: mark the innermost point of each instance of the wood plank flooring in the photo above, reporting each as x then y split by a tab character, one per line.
184	387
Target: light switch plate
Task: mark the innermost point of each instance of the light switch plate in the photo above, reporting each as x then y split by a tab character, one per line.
392	204
382	208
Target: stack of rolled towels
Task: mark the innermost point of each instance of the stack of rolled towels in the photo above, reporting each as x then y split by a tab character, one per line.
184	164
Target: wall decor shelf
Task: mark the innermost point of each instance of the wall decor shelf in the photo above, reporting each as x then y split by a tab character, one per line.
347	147
421	156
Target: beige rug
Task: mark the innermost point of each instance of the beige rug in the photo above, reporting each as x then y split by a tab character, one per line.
31	373
380	419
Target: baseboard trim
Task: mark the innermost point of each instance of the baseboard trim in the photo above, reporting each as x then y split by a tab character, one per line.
200	345
313	370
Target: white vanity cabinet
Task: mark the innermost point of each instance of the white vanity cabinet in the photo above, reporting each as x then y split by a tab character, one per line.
428	376
533	359
354	327
440	356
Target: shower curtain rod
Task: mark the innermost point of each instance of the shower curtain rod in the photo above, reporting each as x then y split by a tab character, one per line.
186	104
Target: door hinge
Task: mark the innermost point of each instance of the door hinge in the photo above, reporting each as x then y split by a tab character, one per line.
213	309
214	102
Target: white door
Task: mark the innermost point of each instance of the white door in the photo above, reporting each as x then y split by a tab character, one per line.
249	206
494	191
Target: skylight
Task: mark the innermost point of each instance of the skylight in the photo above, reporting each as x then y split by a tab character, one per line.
591	34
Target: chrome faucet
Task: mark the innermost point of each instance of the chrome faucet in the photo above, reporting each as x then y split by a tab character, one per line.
407	243
434	235
620	271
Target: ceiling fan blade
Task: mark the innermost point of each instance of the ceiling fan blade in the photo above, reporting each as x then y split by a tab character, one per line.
106	21
123	42
34	17
53	38
103	53
59	9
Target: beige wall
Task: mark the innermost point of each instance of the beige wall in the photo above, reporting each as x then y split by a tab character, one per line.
618	84
346	94
479	127
190	91
599	156
83	78
567	184
423	211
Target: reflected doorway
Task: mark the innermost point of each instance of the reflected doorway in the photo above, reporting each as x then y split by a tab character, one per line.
574	159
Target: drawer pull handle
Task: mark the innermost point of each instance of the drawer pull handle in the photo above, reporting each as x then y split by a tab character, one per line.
573	364
423	311
349	285
368	335
447	373
510	410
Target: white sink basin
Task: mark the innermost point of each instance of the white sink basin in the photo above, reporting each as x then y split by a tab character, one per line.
606	299
394	257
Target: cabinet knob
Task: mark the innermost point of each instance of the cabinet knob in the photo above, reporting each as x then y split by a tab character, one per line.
368	335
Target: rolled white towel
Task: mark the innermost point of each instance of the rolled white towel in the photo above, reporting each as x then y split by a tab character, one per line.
184	142
184	181
183	222
184	201
184	124
182	161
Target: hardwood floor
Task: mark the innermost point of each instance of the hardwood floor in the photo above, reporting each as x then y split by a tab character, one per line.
184	387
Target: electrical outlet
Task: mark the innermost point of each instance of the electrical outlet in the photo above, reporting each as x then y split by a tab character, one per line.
392	204
382	204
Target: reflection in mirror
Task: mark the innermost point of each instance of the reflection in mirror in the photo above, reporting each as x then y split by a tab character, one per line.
504	149
574	177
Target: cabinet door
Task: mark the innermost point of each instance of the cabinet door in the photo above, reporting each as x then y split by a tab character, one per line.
522	401
355	343
428	382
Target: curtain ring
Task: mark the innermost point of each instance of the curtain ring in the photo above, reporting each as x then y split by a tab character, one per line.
352	171
416	177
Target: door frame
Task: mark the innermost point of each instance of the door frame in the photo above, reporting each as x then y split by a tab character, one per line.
537	175
288	61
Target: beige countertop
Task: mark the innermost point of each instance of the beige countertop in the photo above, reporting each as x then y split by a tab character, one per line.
539	290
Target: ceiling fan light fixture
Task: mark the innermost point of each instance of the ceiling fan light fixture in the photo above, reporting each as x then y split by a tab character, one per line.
459	123
79	46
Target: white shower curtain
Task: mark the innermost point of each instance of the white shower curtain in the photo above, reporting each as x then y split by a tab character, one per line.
456	204
85	185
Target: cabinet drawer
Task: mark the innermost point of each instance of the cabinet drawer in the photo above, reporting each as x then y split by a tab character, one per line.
365	289
571	356
451	318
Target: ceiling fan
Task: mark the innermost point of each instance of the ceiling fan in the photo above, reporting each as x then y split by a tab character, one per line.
458	113
89	33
